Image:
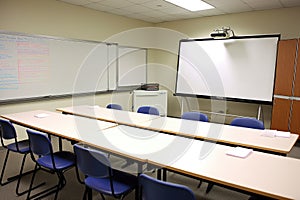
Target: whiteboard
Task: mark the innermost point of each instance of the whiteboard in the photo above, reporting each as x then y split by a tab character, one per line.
38	66
132	66
113	64
240	68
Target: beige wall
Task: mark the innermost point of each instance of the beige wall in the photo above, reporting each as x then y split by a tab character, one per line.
53	18
283	21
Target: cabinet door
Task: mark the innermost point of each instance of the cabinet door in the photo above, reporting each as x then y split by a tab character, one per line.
295	120
297	80
285	67
280	114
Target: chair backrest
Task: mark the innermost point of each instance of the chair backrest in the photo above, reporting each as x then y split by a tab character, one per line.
39	143
159	190
7	130
114	106
91	161
248	123
148	110
197	116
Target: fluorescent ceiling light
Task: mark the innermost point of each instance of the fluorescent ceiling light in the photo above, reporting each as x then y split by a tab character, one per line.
192	5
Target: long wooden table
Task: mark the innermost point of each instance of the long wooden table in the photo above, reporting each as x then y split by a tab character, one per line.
66	126
233	135
110	115
261	173
74	128
238	136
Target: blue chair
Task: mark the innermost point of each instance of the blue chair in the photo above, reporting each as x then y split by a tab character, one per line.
153	189
100	177
148	110
42	154
8	132
197	116
114	106
248	123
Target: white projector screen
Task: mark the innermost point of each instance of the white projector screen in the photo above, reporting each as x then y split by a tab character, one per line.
238	69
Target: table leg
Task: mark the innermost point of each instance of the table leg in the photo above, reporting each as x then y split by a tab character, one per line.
164	174
139	171
60	144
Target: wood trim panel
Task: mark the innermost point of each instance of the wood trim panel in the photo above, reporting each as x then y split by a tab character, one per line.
297	79
285	67
295	120
280	114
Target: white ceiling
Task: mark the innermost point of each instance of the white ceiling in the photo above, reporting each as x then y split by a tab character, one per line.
156	11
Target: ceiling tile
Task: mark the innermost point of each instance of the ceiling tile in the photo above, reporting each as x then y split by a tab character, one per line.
159	10
233	6
210	12
120	11
261	5
175	10
77	2
137	9
290	3
158	4
94	1
145	18
98	6
139	1
154	13
116	3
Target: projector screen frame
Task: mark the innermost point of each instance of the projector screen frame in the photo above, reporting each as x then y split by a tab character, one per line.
224	98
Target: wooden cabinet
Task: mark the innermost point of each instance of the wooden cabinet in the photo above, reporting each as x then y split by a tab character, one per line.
295	117
286	104
285	67
280	114
297	78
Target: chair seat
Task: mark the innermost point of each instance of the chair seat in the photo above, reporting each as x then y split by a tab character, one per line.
23	146
62	159
122	183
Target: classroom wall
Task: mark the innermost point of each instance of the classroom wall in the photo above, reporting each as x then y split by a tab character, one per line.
281	21
58	19
53	18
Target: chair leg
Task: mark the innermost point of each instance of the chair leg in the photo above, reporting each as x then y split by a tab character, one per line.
78	176
60	185
54	189
85	193
200	182
209	187
17	177
102	196
62	180
20	176
3	169
90	194
31	182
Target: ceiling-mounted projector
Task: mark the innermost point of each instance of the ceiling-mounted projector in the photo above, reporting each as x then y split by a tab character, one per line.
224	32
